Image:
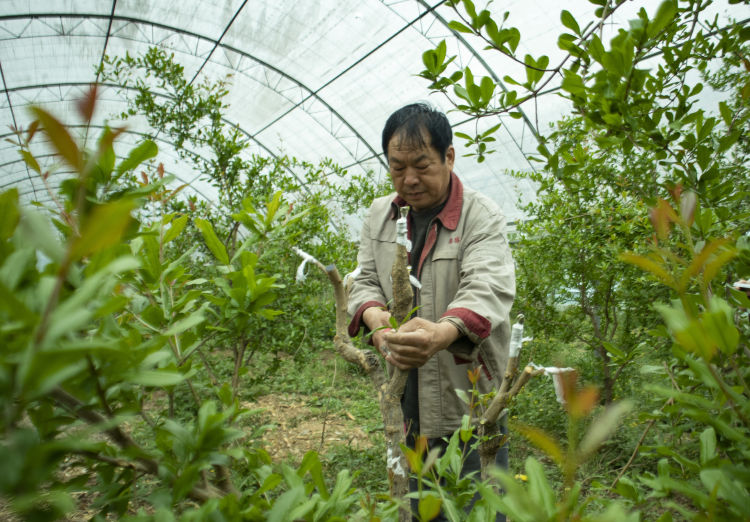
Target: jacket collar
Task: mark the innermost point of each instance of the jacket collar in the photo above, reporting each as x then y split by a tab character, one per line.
451	212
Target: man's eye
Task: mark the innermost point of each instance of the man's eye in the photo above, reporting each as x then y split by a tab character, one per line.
422	167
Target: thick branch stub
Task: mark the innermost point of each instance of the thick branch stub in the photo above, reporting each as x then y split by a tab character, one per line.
389	390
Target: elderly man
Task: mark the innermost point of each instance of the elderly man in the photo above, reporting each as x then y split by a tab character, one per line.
460	256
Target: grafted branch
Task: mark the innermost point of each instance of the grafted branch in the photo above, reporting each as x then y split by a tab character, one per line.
489	431
389	390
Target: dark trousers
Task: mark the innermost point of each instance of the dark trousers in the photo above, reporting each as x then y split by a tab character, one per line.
471	463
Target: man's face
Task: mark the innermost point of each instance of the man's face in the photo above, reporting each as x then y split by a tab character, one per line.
419	175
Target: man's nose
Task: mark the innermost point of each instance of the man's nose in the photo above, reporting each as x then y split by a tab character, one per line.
411	177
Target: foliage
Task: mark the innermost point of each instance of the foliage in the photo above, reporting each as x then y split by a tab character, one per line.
100	323
443	486
271	203
570	277
639	145
637	131
709	398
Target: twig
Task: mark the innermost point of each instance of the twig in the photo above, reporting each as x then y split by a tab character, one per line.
209	368
645	432
638	445
120	438
325	409
99	390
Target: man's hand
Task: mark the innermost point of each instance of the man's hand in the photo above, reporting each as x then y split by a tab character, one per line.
417	340
375	318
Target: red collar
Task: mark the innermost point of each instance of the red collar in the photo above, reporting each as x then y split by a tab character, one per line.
451	212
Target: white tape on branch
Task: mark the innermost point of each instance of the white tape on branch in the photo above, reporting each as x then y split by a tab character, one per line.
401	233
516	339
556	374
393	462
352	275
301	268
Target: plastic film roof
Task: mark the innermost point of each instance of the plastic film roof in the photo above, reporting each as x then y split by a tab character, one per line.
312	79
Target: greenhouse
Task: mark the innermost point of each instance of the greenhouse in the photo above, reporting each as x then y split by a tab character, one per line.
211	306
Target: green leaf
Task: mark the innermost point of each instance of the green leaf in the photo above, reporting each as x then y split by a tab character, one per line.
719	325
713	267
573	83
462	395
272	207
611	348
490	131
726	487
429	506
514	38
103	228
569	21
159	378
466	431
61	140
664	16
541	440
458	26
144	151
539	488
30	160
9	213
212	241
192	320
649	266
311	463
596	49
603	426
708	445
530	73
16	265
177	226
15	308
46	372
78	309
413	458
36	232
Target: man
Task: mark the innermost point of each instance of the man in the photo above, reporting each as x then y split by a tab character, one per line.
460	256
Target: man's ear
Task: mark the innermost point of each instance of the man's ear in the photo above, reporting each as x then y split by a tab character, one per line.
450	156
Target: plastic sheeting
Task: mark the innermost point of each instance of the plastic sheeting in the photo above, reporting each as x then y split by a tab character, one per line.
313	79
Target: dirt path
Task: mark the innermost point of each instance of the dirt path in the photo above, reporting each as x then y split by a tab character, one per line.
298	429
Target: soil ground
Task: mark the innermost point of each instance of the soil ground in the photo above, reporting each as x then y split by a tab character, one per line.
298	429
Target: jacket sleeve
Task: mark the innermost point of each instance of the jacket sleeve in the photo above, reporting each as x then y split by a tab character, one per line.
486	286
366	290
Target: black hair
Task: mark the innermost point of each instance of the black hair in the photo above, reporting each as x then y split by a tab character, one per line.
411	121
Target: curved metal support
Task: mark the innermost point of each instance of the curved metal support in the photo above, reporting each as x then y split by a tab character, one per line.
62	172
484	64
159	95
217	43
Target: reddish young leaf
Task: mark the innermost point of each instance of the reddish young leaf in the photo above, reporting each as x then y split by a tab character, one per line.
61	140
474	375
421	445
661	217
87	104
32	130
583	402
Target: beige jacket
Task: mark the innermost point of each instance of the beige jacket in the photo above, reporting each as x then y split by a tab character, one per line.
468	278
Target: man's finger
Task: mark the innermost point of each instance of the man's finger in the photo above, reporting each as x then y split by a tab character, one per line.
415	338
